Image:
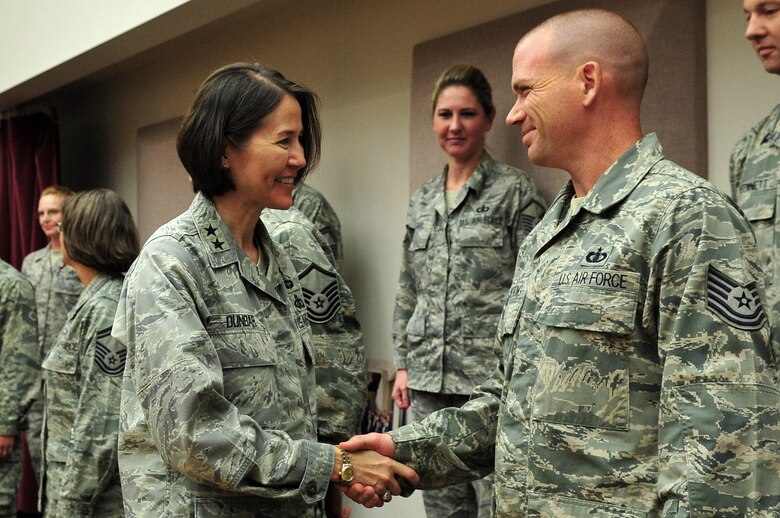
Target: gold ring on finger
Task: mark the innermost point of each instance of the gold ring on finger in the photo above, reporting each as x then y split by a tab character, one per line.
387	496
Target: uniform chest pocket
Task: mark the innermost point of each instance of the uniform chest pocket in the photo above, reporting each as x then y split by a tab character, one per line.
420	238
66	363
63	357
67	286
481	236
507	323
248	359
758	205
759	208
585	352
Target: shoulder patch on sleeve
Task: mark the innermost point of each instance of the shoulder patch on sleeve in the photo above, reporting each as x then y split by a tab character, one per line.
321	293
110	354
737	305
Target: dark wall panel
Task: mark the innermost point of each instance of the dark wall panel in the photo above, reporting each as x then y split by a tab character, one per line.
675	104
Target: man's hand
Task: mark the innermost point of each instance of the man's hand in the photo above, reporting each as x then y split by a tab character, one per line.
381	443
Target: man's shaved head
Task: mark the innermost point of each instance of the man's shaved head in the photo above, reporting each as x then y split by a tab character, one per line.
577	37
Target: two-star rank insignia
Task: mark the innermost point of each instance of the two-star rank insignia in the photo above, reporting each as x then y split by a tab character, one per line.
737	305
215	238
110	354
321	293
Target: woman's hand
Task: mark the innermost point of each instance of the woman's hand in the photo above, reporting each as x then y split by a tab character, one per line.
375	481
6	445
400	389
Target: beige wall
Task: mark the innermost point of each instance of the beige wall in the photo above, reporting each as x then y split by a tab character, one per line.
740	91
357	55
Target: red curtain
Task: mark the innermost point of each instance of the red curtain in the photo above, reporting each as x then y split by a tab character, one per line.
29	162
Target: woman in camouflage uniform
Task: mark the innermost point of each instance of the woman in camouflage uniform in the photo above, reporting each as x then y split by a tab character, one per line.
464	228
57	288
218	401
83	370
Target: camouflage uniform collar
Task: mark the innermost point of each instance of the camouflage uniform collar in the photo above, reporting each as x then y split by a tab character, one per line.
47	257
302	189
477	179
221	248
100	280
772	127
623	176
475	183
612	188
217	239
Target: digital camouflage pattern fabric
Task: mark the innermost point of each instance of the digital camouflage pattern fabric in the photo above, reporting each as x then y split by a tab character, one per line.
755	183
456	271
82	389
340	367
20	374
57	288
316	207
622	390
218	401
469	499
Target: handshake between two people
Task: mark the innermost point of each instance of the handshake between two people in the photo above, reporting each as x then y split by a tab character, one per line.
365	470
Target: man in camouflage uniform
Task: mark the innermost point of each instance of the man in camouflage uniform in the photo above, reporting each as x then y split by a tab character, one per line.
314	205
19	376
340	368
755	161
57	288
636	377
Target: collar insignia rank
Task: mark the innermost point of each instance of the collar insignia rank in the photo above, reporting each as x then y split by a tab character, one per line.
737	305
321	294
215	238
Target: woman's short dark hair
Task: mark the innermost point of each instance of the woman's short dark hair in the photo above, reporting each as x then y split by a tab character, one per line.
99	231
472	78
229	106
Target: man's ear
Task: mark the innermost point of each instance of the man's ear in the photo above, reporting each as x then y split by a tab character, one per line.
590	77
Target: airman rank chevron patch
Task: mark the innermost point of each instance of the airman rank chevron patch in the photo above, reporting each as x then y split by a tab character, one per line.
110	354
321	293
737	305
